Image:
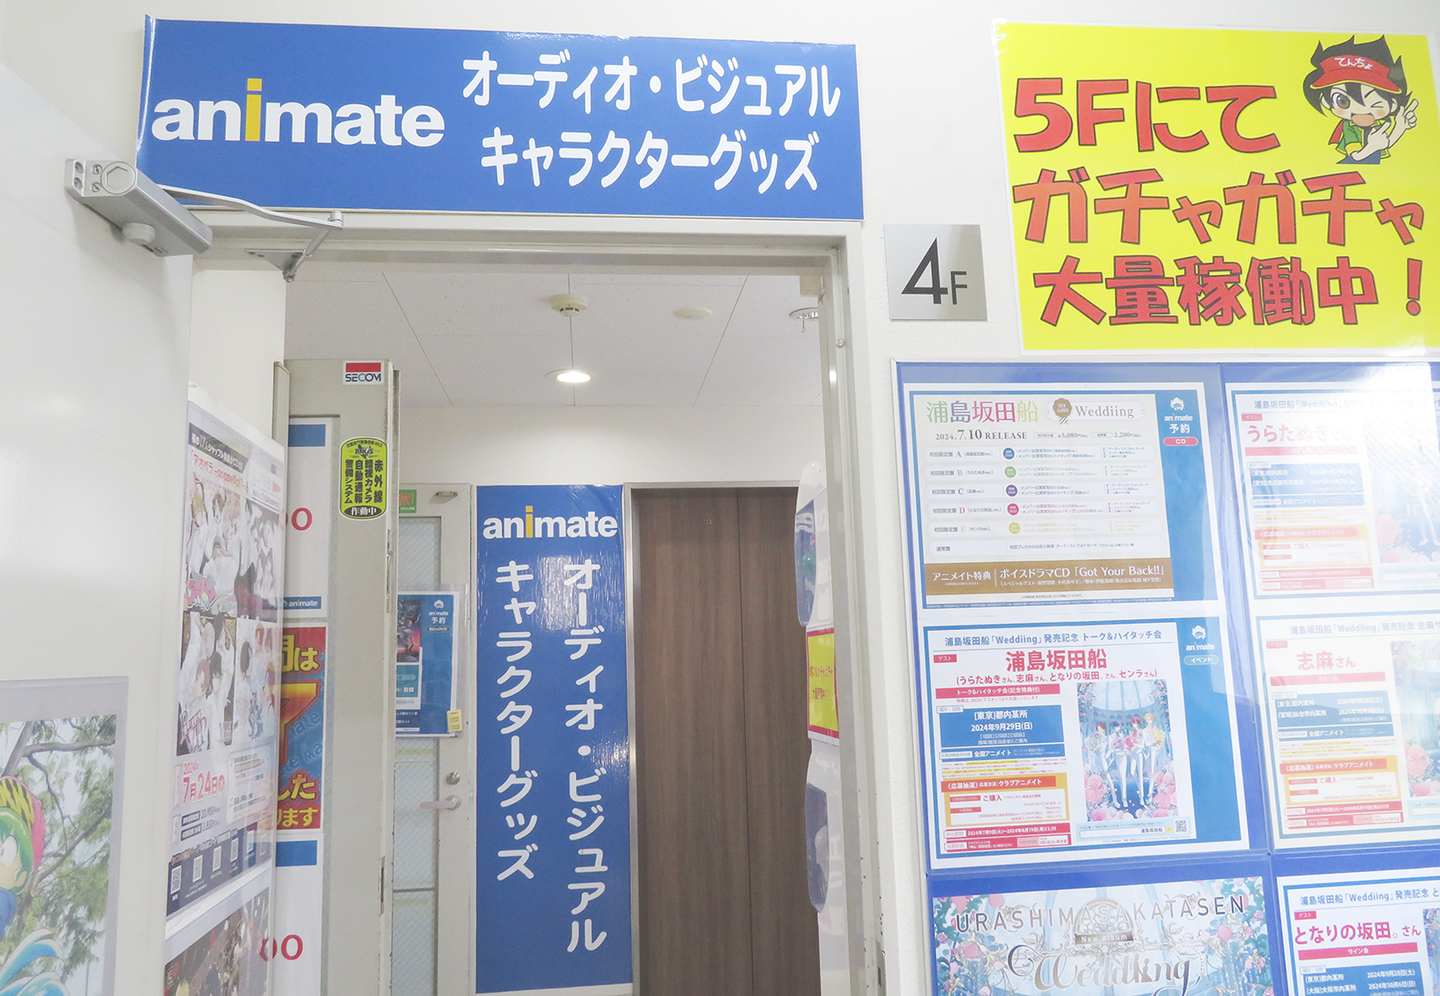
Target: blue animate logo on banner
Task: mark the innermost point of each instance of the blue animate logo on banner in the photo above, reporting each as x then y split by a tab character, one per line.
326	116
553	736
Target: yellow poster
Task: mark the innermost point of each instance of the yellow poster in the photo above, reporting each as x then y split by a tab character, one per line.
820	653
1212	189
363	478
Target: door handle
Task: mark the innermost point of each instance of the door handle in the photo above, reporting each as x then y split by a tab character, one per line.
449	802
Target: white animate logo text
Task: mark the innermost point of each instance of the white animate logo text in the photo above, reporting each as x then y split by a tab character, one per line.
348	124
534	526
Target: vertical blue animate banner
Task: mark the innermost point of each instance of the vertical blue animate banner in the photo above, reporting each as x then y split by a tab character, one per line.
553	771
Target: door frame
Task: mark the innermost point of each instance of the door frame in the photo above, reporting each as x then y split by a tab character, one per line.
829	250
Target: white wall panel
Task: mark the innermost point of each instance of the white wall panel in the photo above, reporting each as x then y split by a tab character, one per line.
94	335
237	335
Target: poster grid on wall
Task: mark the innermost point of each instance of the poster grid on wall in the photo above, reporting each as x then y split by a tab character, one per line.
1338	472
1070	627
1329	546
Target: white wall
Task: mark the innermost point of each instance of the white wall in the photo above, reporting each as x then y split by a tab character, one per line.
237	335
603	445
95	340
931	127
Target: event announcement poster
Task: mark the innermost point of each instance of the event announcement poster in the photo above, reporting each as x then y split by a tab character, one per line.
1204	189
227	692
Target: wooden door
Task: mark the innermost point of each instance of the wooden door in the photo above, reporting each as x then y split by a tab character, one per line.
721	749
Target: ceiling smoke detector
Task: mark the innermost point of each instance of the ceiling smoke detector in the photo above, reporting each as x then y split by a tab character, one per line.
693	311
806	314
569	305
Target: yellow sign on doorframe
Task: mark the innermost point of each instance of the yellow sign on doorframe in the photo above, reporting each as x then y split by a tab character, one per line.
1220	189
824	716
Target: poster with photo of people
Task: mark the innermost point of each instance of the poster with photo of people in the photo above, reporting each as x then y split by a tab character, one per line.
228	958
227	688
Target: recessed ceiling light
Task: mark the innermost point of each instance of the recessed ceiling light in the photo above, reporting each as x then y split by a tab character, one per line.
570	376
693	311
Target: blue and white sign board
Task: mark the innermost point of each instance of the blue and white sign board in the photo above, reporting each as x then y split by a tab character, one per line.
331	116
553	741
425	683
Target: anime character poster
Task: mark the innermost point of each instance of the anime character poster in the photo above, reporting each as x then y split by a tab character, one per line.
1128	755
1192	189
1206	938
227	714
59	825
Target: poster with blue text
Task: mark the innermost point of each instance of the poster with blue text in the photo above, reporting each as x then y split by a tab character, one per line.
424	663
553	741
1374	933
1076	693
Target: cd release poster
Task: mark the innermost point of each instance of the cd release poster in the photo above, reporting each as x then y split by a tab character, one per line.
1204	938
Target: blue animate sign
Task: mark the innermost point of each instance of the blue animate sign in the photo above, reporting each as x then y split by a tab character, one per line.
553	741
324	116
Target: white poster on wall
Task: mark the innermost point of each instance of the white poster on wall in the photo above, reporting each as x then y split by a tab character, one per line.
227	715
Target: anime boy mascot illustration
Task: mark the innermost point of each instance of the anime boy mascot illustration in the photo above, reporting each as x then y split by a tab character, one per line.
1364	86
22	845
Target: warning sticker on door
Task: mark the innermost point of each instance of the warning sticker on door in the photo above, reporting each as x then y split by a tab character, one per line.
362	477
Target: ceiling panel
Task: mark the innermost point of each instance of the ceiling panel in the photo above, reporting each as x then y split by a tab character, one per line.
421	391
659	279
349	320
763	371
480	304
650	309
670	392
501	370
764	308
489	337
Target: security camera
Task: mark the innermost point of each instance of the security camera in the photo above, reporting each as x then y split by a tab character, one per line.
129	200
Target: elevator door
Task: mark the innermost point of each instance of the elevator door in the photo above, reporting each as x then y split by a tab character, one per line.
721	746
